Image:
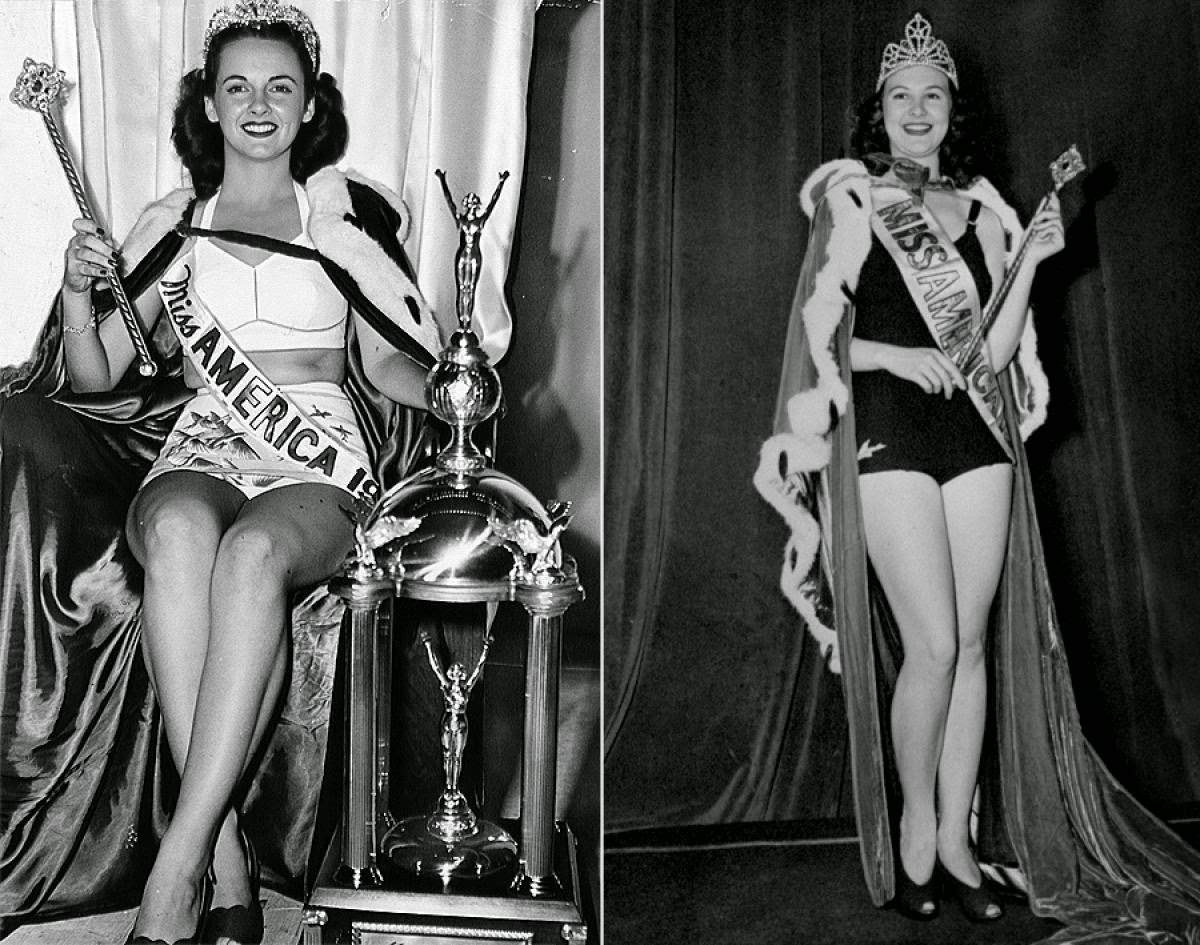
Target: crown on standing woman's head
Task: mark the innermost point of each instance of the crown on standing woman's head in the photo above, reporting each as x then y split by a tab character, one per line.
918	49
255	13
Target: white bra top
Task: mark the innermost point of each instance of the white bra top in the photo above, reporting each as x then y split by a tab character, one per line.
281	303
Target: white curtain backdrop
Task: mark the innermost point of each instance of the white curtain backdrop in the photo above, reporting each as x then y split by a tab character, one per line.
427	83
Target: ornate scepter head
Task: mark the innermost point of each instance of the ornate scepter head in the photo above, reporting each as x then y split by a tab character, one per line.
1066	167
39	86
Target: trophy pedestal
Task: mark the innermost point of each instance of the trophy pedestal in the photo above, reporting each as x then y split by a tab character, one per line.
415	846
404	909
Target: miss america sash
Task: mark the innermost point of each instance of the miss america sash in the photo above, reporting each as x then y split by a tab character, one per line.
945	294
270	419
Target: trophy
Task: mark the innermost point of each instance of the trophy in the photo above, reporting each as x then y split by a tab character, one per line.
457	531
452	841
39	88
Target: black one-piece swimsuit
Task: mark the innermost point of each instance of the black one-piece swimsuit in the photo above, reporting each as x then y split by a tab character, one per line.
898	424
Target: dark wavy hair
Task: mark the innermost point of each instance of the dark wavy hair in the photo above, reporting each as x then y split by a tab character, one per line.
199	143
964	155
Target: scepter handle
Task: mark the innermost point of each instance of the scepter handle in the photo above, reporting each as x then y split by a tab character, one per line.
146	365
1001	294
1063	169
37	88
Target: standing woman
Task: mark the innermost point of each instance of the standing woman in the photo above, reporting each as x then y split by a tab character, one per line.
252	494
897	460
934	452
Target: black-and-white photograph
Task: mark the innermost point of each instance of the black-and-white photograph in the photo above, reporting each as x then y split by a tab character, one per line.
301	462
644	472
900	516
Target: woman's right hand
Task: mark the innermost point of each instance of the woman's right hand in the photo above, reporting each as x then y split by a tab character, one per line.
928	368
90	255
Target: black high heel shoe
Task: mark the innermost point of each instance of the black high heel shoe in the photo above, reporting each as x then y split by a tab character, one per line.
915	900
978	903
241	924
206	894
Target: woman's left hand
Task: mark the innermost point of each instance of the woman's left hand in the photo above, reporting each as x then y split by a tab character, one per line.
1047	236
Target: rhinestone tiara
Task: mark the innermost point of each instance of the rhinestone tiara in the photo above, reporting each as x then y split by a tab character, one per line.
265	13
918	49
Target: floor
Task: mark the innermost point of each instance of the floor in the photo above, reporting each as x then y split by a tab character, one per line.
748	893
281	916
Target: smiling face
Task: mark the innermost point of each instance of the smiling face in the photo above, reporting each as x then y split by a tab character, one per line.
916	112
258	98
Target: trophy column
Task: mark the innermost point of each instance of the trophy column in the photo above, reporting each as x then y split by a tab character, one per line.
367	711
539	766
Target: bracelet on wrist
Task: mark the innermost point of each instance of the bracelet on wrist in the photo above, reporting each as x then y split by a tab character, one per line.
89	325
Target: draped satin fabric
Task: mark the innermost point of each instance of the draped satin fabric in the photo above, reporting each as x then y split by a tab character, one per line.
86	777
86	781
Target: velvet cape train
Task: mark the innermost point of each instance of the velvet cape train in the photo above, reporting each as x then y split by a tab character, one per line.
86	779
1052	817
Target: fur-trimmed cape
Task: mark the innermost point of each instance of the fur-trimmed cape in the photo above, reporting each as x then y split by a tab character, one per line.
813	391
331	199
1051	816
353	225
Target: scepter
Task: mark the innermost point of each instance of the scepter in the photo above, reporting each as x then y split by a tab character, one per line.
1063	169
38	88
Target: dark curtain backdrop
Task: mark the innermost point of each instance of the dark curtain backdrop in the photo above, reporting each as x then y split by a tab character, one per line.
718	706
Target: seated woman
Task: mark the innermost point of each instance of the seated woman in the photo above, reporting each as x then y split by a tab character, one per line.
294	387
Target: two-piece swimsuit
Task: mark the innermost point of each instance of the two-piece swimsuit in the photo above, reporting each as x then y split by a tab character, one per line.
281	303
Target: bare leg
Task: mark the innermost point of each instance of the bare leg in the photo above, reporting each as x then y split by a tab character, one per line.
977	509
174	528
280	540
906	538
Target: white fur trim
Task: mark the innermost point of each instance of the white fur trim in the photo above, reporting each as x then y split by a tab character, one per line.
848	196
784	477
379	278
155	222
830	174
790	460
352	249
394	199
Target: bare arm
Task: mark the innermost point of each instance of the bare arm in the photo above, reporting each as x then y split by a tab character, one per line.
928	368
392	372
96	355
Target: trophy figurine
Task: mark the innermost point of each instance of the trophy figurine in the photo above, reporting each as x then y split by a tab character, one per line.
469	259
452	841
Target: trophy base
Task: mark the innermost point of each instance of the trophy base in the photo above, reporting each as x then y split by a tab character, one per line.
423	847
411	910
